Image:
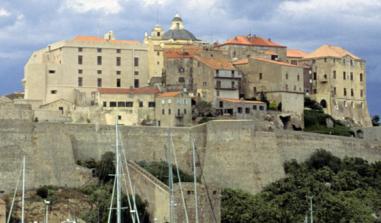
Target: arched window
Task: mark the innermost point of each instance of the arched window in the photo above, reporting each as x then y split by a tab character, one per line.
323	103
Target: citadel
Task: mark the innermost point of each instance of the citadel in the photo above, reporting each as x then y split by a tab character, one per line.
253	88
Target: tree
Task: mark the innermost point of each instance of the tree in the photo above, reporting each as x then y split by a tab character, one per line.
203	109
376	120
106	168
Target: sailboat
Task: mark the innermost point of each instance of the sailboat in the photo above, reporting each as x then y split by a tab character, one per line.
22	176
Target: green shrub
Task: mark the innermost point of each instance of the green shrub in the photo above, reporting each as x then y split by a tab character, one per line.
43	192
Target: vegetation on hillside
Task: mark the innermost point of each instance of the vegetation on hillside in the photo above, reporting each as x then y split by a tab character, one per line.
315	120
343	190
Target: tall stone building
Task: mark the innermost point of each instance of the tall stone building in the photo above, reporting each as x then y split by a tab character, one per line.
72	70
241	47
176	37
339	83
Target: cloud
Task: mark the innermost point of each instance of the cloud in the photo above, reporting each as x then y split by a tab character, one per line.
4	13
84	6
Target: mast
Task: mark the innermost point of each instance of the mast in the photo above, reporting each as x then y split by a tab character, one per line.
118	192
23	190
195	180
311	210
170	180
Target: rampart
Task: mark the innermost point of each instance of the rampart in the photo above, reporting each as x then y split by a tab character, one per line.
236	154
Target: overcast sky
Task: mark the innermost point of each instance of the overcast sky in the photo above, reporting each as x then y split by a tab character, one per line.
28	25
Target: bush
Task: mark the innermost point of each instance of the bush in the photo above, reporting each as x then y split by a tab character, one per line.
322	158
43	192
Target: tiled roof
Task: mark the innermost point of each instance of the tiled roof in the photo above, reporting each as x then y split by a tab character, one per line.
185	52
170	94
102	40
241	61
252	41
142	90
330	51
296	53
275	62
233	100
215	63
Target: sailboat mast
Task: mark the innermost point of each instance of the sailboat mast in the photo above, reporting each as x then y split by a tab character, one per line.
195	180
170	180
118	192
23	191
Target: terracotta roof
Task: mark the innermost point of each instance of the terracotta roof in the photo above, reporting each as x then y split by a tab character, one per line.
233	100
252	41
185	52
170	94
142	90
296	53
275	62
330	51
215	63
241	61
100	40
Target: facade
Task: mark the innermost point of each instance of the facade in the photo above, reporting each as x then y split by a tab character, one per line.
131	106
159	40
240	108
251	46
173	109
339	83
73	70
281	83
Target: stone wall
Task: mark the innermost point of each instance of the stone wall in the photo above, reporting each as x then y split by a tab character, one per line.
236	154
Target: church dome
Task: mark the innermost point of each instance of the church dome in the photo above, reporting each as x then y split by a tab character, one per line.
177	31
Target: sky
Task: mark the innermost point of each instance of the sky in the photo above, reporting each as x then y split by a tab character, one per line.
28	25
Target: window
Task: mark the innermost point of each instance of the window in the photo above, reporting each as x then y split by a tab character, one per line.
136	72
118	61
351	76
232	73
151	104
204	83
80	59
254	107
129	104
52	71
99	71
233	84
334	74
118	72
315	75
80	71
218	93
334	91
185	111
99	82
118	82
325	60
298	77
121	104
239	110
158	53
140	104
217	72
361	77
260	76
99	60
352	92
344	76
53	92
169	111
361	93
118	50
261	108
80	82
218	84
99	50
247	110
345	92
80	49
315	91
105	104
255	90
119	117
181	70
181	80
163	111
136	61
286	76
136	83
158	33
112	104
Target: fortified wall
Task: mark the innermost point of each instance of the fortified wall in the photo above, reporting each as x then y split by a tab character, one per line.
235	154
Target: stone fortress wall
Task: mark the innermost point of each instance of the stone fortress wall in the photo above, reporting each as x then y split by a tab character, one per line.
235	154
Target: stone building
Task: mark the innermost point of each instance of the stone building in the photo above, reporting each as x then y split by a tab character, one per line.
159	39
72	70
241	47
339	83
173	109
295	57
132	106
239	108
281	83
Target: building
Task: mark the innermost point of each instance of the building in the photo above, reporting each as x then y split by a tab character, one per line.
339	83
239	108
74	69
176	37
281	83
241	47
173	109
131	106
295	56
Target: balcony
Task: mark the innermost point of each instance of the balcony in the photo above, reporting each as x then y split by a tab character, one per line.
179	115
226	88
324	79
